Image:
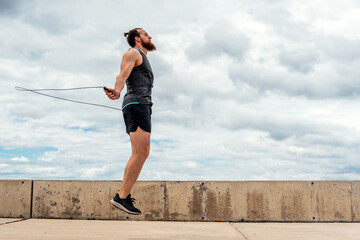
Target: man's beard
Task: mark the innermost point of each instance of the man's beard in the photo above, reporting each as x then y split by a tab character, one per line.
149	46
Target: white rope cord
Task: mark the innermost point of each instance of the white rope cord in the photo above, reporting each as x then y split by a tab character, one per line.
37	91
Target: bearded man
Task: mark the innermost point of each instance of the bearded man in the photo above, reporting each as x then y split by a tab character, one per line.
136	72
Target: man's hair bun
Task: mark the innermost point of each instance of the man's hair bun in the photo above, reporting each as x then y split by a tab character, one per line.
130	36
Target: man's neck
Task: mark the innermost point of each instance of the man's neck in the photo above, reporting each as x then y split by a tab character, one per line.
144	50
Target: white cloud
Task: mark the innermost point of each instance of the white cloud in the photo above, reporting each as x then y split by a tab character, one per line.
219	40
301	60
243	90
93	172
20	159
3	166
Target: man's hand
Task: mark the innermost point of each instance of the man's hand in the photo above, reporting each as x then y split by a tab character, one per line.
112	93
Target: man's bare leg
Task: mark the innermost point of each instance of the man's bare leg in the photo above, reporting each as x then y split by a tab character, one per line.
140	148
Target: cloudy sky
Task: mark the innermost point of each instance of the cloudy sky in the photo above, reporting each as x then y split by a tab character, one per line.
244	90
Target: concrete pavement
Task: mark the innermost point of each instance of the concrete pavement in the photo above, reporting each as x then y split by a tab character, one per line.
11	228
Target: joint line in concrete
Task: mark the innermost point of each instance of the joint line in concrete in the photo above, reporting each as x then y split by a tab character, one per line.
31	197
351	203
238	230
15	221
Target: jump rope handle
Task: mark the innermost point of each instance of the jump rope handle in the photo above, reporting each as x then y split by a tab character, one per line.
106	89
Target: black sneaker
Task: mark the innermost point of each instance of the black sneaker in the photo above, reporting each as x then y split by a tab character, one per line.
125	204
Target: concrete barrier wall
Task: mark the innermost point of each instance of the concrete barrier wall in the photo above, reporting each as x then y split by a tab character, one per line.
298	201
15	198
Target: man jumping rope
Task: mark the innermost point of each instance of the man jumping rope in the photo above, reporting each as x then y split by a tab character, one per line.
136	72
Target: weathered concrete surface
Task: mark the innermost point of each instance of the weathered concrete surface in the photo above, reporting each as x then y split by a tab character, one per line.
331	201
355	201
257	201
15	198
38	229
223	201
300	201
184	201
91	200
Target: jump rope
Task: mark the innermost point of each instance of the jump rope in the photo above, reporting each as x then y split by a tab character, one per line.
37	91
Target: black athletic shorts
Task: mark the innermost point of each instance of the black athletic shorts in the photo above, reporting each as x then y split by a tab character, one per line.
137	115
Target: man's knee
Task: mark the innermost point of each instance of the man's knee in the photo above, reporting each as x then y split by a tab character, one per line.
146	154
142	152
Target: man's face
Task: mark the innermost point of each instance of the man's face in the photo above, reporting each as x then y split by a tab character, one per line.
146	40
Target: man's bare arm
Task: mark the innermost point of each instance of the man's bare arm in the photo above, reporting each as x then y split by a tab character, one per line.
127	64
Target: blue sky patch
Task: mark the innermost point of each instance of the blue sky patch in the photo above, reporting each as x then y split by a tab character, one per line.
83	129
30	153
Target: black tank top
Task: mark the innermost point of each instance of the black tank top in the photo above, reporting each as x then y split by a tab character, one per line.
140	83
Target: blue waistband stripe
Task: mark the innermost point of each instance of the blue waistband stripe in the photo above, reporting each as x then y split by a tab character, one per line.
129	104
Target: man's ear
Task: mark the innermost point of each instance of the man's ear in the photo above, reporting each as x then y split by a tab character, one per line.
137	39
